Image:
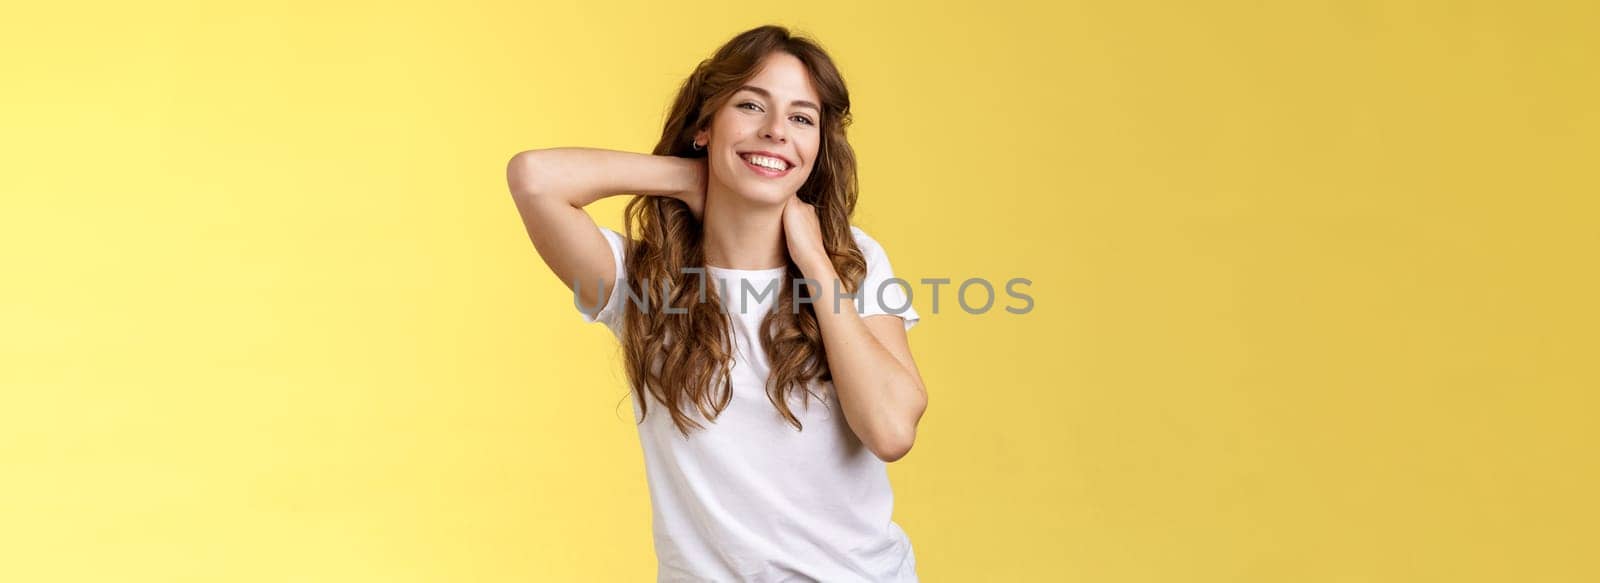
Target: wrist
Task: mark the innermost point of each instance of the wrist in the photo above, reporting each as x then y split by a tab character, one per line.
817	268
693	174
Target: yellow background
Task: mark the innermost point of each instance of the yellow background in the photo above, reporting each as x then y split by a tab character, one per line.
1315	286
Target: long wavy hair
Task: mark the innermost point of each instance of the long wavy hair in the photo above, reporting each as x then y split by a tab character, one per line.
683	360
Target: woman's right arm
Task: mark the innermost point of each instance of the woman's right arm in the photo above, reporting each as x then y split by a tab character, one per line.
552	186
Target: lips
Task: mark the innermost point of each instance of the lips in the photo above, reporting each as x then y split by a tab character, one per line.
786	161
765	171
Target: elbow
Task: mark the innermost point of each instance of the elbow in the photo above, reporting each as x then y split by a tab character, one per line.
890	450
893	443
523	175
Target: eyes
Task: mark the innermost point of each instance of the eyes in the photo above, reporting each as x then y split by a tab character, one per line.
754	107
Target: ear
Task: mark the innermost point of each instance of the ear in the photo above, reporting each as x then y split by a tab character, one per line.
703	137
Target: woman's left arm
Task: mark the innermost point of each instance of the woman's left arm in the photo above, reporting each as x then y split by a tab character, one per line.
874	375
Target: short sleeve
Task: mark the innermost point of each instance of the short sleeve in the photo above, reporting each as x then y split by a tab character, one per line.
881	292
611	311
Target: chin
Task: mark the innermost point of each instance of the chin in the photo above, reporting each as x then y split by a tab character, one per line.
764	192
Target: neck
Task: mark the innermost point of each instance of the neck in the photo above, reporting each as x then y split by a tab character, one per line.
740	234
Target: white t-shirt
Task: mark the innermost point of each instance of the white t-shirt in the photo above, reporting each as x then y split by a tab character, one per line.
750	498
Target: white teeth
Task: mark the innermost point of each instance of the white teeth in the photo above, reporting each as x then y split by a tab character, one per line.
767	162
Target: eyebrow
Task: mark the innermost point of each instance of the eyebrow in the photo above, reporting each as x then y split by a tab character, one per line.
768	95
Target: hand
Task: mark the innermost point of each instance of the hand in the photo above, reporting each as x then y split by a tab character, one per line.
802	233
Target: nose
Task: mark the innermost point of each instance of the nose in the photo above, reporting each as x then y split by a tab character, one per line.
774	131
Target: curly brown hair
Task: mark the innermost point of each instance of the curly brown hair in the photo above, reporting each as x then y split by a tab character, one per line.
684	359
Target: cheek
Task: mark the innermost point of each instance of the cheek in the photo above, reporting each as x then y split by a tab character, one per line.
736	128
810	153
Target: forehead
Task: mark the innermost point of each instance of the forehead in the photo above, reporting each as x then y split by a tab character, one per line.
786	77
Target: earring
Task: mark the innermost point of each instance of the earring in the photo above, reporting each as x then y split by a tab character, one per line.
697	146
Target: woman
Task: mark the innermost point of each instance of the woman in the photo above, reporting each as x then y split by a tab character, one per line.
768	409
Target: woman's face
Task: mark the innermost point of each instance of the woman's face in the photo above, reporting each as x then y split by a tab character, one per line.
763	143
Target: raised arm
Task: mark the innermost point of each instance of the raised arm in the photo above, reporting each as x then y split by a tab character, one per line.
552	186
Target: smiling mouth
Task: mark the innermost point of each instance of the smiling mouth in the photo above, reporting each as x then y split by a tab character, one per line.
766	165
